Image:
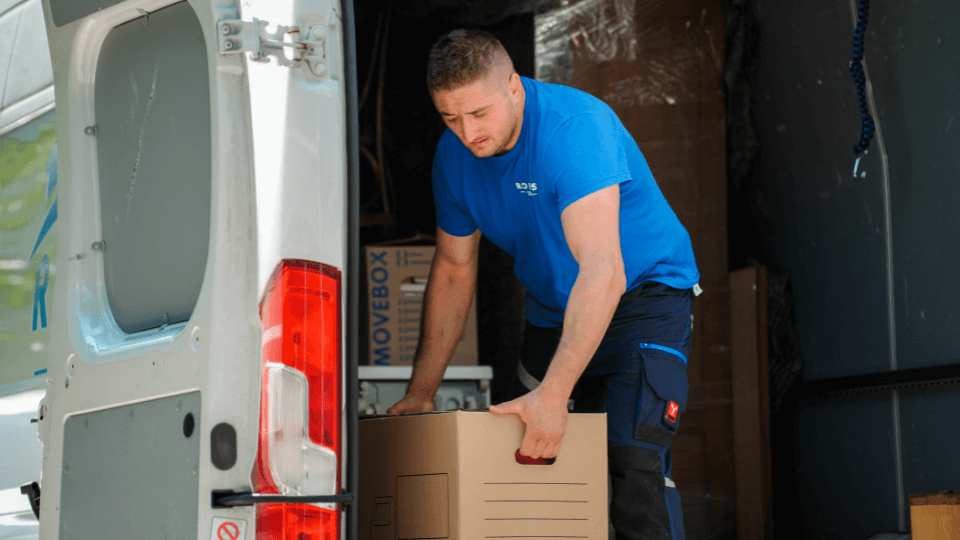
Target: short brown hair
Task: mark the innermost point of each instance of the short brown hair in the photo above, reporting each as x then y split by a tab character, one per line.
461	57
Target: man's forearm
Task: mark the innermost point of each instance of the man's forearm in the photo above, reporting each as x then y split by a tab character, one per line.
590	308
446	306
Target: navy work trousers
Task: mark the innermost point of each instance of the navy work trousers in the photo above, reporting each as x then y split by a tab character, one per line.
638	376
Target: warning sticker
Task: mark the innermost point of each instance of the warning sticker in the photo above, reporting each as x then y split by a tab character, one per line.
228	529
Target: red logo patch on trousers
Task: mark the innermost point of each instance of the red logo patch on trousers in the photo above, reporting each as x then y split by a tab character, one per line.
672	411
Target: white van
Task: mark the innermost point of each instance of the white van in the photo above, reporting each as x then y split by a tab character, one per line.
179	281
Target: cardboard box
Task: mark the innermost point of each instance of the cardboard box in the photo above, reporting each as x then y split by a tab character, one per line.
454	475
396	280
935	516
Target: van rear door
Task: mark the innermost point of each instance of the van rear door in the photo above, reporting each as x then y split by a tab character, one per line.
152	399
306	210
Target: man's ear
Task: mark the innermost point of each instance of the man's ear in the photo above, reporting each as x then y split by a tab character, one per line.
516	85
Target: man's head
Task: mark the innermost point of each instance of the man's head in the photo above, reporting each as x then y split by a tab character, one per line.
477	92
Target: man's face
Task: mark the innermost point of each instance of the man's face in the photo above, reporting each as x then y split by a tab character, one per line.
486	114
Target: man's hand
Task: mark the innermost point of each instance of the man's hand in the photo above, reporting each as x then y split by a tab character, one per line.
411	404
545	416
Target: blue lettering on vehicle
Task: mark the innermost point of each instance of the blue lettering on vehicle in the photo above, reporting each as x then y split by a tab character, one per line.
40	291
43	267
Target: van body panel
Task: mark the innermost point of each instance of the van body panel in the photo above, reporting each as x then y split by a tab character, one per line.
93	364
291	123
299	144
144	454
301	164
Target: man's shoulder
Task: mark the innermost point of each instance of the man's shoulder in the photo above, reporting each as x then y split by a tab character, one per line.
561	108
561	103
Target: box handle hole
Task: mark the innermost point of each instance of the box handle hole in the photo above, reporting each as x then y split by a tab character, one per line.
527	460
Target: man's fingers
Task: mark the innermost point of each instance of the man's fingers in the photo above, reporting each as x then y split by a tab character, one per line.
510	407
409	405
395	409
529	446
553	452
544	448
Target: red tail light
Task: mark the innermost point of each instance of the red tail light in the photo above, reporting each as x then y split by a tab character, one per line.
300	407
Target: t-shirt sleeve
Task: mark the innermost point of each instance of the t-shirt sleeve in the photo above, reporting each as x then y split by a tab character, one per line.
452	218
584	155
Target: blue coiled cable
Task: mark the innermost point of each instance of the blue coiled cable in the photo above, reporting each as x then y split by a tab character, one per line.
860	79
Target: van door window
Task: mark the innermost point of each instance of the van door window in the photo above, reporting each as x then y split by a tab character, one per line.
152	103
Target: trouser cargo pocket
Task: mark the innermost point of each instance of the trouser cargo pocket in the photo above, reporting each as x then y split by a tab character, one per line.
663	395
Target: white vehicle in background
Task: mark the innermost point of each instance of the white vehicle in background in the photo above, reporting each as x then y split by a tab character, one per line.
28	251
178	269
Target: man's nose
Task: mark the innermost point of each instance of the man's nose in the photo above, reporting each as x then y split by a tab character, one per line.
470	130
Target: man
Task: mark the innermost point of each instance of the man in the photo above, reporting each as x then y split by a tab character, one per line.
551	175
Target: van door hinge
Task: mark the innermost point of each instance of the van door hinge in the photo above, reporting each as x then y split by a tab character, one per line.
311	42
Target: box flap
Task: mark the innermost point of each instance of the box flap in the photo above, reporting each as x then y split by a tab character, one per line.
418	239
408	467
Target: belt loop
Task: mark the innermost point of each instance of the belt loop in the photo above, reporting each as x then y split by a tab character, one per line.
526	378
531	382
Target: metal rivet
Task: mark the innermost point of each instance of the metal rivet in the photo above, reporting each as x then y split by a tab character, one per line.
91	130
753	287
228	45
99	245
224	29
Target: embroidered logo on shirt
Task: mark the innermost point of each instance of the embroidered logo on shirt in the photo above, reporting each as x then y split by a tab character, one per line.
530	189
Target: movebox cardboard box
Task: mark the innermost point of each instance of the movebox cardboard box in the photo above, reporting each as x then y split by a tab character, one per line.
397	277
455	475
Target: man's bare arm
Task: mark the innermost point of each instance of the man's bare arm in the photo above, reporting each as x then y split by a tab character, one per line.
592	229
446	306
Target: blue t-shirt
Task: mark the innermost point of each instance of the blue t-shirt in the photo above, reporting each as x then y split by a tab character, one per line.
571	144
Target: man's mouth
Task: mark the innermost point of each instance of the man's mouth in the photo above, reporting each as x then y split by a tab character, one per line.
478	143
